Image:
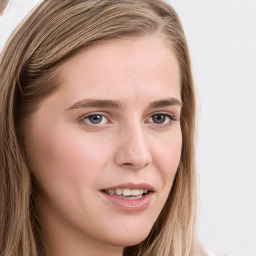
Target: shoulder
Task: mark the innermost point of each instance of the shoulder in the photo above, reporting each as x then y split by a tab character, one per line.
214	253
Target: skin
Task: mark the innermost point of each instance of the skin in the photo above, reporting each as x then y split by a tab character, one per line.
72	159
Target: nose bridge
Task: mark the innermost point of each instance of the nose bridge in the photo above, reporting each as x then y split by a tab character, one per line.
133	151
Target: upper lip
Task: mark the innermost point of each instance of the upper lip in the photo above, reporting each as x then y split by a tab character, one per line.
131	185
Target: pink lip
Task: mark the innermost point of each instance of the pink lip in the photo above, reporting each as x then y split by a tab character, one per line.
127	204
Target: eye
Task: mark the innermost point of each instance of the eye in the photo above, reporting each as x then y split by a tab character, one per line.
95	119
161	118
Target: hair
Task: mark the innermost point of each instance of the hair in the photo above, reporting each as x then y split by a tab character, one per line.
55	31
3	5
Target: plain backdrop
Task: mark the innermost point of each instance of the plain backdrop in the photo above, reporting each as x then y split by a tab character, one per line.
221	36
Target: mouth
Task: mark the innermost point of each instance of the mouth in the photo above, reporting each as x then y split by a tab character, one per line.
129	196
127	192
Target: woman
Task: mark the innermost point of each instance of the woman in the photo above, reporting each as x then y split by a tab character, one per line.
97	132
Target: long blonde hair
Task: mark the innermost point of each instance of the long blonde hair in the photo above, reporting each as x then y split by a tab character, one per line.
3	5
52	33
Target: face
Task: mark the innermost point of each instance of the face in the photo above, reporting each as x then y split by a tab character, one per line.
104	148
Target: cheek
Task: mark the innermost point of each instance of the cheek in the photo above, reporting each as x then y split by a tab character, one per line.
62	157
167	155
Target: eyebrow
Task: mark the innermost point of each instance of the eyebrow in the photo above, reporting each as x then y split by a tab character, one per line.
165	103
88	103
116	104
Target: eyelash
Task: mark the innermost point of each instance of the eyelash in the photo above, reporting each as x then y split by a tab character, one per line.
166	115
91	115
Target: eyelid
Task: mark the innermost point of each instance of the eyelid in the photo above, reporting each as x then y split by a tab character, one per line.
173	117
83	117
166	113
169	115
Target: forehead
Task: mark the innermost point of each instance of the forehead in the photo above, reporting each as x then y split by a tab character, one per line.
138	64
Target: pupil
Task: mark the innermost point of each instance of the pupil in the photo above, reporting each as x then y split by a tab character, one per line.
95	119
159	119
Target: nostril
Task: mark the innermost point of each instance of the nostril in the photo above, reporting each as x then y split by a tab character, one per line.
133	152
134	166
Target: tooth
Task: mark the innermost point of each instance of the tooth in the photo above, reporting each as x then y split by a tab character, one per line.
126	192
135	192
119	191
111	192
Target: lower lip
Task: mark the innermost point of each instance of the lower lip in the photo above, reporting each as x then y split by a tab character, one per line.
126	204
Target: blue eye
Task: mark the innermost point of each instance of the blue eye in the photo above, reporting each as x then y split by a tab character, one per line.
95	119
161	119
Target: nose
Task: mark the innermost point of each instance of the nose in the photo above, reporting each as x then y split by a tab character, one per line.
133	151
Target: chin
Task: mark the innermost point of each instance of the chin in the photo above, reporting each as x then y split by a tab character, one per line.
129	238
125	242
